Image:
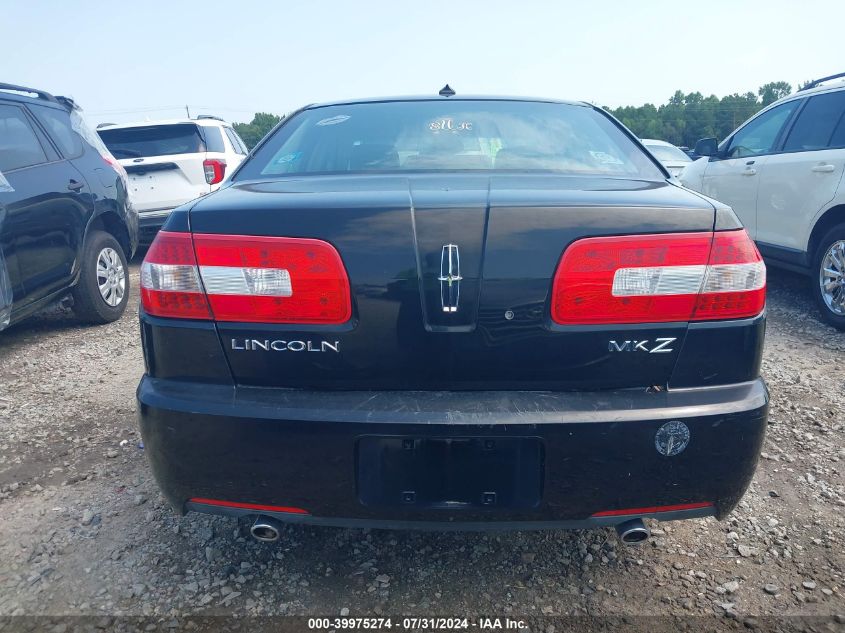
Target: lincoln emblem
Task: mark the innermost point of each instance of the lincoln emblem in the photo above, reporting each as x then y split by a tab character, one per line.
450	278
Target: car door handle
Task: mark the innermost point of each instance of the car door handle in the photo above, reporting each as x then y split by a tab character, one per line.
75	185
824	169
749	171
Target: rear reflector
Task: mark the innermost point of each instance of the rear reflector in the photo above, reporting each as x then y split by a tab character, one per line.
247	506
659	278
652	510
248	279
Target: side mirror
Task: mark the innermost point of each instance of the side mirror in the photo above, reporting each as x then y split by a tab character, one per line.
706	147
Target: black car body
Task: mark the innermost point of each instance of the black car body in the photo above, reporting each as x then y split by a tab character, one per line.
63	202
456	370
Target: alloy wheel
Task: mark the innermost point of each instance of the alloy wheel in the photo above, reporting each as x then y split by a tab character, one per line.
832	278
111	276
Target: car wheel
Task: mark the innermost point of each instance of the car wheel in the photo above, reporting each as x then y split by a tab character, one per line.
828	276
103	289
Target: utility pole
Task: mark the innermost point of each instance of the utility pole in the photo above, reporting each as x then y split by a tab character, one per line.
188	111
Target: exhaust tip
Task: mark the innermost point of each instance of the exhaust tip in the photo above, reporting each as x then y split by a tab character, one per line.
265	529
633	532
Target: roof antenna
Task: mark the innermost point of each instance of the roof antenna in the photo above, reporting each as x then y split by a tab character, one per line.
446	91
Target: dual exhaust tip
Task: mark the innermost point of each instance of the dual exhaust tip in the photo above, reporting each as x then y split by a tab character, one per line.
267	530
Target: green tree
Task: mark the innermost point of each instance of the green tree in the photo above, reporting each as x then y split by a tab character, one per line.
773	91
256	129
685	118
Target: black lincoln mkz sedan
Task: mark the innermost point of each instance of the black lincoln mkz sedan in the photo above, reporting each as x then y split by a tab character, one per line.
453	312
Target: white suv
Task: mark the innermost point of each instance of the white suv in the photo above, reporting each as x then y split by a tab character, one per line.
781	171
172	162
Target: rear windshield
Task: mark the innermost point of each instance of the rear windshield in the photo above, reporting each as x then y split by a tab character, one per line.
153	140
669	153
485	135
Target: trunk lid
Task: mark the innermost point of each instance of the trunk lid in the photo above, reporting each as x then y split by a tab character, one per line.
484	323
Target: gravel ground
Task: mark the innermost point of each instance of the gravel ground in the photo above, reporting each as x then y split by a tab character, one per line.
85	531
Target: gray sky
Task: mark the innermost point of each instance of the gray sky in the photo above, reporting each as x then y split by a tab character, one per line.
126	61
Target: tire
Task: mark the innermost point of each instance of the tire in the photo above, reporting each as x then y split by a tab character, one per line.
830	297
101	253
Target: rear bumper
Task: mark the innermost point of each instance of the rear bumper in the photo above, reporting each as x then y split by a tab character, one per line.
302	449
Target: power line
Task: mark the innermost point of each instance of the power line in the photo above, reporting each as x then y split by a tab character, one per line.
172	107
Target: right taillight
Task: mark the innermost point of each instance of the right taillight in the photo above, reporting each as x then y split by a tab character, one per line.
245	278
659	278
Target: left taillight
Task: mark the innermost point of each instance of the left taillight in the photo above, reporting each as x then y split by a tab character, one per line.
112	162
215	170
273	279
245	278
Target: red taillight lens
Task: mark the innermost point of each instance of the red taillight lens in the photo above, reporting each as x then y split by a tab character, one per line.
215	170
245	278
247	506
170	284
652	510
112	161
273	279
659	278
735	284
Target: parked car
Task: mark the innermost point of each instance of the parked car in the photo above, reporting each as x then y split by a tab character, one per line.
781	171
673	158
453	312
66	224
172	162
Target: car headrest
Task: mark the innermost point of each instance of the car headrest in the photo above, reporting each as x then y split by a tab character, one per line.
373	156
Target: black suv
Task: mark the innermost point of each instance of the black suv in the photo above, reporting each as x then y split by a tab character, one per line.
66	223
453	312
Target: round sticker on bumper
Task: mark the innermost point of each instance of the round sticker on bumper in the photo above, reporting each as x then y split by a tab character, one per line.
672	438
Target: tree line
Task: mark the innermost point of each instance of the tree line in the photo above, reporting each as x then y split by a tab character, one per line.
256	129
683	120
